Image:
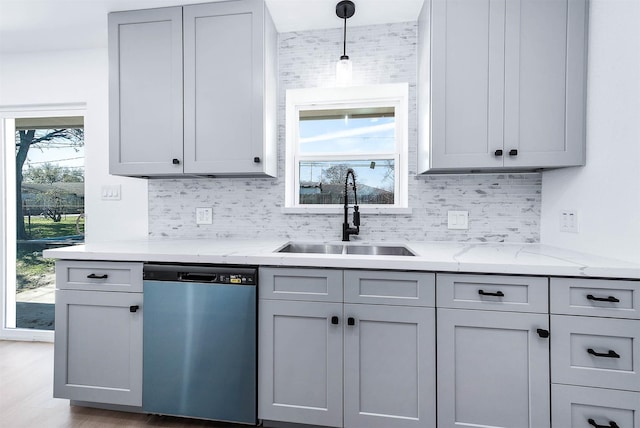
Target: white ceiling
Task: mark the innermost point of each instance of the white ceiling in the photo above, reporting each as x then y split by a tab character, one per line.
36	25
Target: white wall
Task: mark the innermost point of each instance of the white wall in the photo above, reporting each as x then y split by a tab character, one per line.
80	76
606	192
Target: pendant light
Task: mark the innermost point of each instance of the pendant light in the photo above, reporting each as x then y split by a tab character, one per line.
345	10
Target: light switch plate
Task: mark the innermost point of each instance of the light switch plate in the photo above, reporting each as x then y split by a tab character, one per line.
458	219
110	192
204	215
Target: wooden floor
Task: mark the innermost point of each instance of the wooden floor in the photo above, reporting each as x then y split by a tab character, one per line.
26	401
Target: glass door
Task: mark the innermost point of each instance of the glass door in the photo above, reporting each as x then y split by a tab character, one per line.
44	208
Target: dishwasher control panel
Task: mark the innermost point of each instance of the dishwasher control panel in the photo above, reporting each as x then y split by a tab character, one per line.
208	274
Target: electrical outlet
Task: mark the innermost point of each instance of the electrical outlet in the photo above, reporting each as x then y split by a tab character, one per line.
204	215
458	219
569	221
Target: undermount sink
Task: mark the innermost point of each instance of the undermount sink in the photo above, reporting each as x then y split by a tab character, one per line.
294	247
368	250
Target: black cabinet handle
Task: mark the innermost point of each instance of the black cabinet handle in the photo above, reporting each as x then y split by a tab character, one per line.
487	293
351	321
176	161
134	308
256	159
513	152
543	333
602	299
498	152
94	276
594	424
610	354
335	320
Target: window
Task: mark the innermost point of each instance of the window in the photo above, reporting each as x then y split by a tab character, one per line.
331	130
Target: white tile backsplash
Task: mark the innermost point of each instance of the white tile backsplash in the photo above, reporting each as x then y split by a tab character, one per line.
502	207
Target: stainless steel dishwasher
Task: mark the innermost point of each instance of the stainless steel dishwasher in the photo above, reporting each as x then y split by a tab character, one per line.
200	340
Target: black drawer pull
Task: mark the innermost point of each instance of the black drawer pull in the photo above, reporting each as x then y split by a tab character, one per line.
513	152
498	152
602	299
335	320
175	161
488	293
133	308
594	424
610	354
543	333
256	159
351	321
94	276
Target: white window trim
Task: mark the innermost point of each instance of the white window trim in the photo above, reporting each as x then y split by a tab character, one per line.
7	215
395	94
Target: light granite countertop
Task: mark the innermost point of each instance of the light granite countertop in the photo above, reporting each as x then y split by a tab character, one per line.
527	259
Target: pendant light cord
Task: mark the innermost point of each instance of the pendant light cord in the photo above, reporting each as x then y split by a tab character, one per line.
344	36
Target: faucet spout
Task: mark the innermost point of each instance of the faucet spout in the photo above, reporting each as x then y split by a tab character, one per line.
347	230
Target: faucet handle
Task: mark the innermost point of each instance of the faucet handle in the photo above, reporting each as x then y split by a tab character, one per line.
356	215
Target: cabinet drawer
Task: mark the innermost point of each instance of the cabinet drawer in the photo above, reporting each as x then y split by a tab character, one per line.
492	292
99	276
322	285
595	352
595	297
575	406
389	288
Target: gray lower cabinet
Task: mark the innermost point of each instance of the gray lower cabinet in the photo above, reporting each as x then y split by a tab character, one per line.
300	362
192	90
507	84
492	351
389	366
338	364
595	353
98	346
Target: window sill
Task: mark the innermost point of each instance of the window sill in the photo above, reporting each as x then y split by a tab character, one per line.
340	210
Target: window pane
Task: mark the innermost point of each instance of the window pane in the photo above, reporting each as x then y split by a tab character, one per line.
322	182
353	131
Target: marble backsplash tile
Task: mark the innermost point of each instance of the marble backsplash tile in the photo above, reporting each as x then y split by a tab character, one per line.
502	207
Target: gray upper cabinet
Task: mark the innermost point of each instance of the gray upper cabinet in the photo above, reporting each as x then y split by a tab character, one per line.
145	92
505	84
193	90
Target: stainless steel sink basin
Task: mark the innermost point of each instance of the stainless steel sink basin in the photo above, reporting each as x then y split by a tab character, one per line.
368	250
295	247
378	250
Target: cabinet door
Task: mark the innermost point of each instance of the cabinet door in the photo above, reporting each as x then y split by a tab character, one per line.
300	362
224	82
493	369
98	347
467	83
545	82
145	92
389	366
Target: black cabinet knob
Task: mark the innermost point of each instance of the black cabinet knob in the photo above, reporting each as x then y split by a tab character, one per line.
513	152
335	320
351	321
256	159
543	333
498	152
176	161
133	308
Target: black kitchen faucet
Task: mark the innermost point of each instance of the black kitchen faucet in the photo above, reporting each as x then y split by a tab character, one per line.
347	230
